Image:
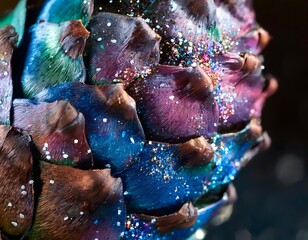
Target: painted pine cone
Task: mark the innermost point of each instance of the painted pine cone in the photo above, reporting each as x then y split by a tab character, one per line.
128	119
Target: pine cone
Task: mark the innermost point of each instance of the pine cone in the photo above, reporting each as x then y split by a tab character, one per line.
129	119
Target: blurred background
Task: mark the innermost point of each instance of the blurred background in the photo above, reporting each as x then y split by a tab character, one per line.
273	189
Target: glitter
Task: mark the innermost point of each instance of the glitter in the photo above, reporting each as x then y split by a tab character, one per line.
65	218
51	181
99	39
75	141
132	140
65	155
171	97
9	204
104	120
23	187
108	24
113	40
24	193
21	215
15	224
81	213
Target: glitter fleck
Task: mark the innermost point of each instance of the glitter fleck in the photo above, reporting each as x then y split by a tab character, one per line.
15	224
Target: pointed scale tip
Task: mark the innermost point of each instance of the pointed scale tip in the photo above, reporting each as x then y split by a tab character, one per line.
166	97
132	46
112	111
242	83
179	225
171	184
254	41
176	168
263	38
54	56
78	204
8	35
59	134
73	38
251	63
196	152
183	218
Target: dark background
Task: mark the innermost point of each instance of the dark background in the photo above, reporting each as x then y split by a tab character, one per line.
273	189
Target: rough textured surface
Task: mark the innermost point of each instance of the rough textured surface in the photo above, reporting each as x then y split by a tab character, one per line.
58	48
8	40
87	204
112	127
17	193
59	134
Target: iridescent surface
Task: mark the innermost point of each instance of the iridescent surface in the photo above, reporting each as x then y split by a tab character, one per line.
137	228
8	40
58	11
131	46
175	103
59	134
17	19
164	95
58	48
169	185
112	126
